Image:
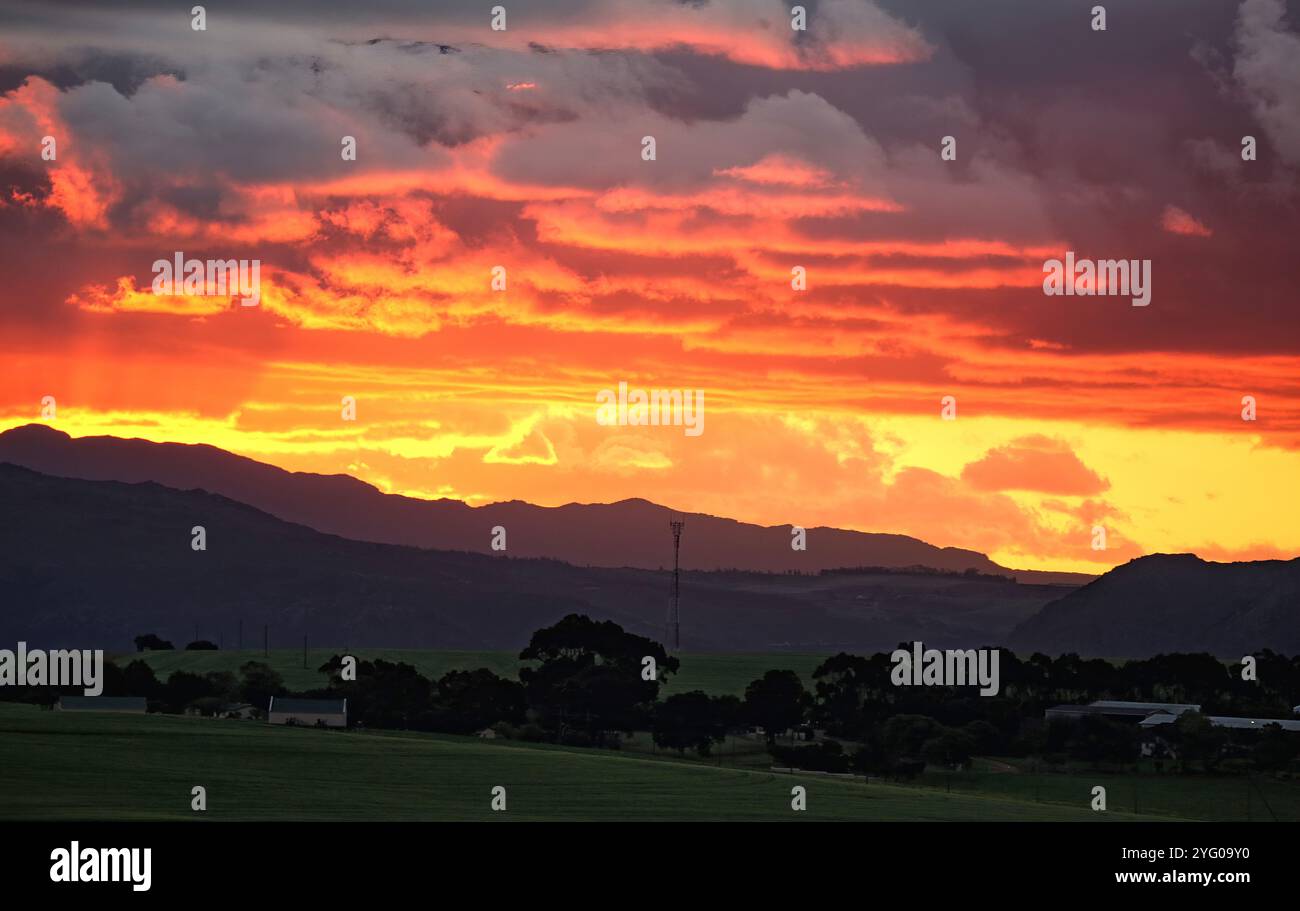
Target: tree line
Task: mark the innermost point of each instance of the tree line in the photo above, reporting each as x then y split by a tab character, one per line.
592	683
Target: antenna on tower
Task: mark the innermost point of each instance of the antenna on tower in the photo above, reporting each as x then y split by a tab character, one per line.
674	613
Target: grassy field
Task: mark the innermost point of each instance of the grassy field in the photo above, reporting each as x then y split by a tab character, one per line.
56	765
715	674
1170	795
1223	798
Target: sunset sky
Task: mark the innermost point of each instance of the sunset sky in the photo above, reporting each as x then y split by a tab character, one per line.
774	149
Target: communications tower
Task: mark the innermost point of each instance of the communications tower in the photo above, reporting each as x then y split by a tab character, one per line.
674	614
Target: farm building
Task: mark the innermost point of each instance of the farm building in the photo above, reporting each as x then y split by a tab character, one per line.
1119	711
328	713
121	704
1226	721
1173	708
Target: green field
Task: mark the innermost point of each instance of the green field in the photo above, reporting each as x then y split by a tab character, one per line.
1221	798
56	765
715	674
1017	783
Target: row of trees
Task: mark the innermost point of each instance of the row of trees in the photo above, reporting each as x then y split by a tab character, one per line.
209	693
590	682
854	694
150	642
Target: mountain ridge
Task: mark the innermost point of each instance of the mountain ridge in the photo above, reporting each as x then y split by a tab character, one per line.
1183	602
628	532
96	563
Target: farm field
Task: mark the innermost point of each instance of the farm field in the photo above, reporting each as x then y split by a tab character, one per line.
1225	798
1219	798
56	765
716	675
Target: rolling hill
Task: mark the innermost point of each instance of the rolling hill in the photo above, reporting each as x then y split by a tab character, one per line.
631	533
95	563
1173	603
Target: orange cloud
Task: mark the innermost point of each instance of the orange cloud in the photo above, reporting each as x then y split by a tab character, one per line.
780	170
82	186
124	298
1034	463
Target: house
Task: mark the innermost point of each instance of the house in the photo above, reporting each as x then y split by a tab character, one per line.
487	734
321	713
122	705
242	710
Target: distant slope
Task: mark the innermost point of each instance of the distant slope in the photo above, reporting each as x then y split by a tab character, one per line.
1173	603
628	533
95	563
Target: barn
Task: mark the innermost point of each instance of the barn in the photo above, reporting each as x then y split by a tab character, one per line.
322	713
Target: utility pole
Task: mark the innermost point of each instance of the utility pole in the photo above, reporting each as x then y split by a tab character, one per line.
674	609
241	634
304	652
266	641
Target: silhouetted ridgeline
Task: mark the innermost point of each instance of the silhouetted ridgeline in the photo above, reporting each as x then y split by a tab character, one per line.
94	563
631	533
91	563
1173	602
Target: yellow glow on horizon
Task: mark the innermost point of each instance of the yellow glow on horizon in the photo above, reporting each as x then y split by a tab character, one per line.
1223	503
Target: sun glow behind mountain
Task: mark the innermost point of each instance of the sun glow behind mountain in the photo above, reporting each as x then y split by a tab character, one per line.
521	149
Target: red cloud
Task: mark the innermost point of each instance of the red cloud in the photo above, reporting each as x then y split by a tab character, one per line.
838	34
81	185
1176	221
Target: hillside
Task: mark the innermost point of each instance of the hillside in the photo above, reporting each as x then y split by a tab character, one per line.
1173	603
95	563
632	533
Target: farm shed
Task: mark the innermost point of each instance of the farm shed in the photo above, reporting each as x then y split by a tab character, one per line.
329	713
